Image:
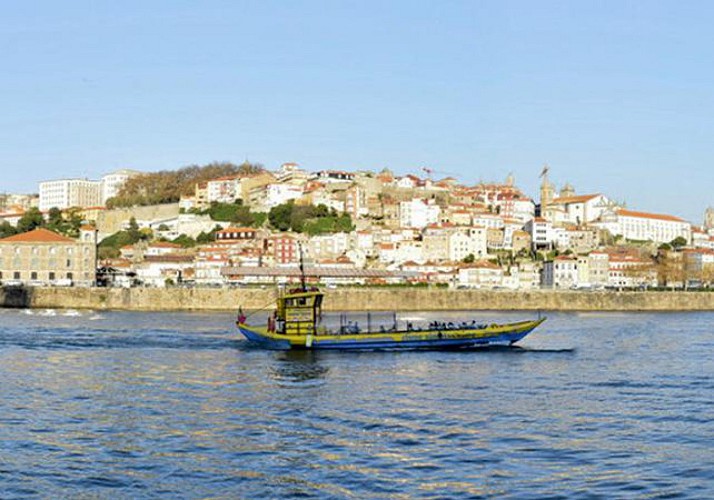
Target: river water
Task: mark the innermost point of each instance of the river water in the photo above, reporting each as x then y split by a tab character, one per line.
174	405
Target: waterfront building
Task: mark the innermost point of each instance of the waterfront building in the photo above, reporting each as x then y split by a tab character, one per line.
67	193
43	257
209	263
160	270
630	271
480	274
561	272
644	226
598	266
699	266
112	183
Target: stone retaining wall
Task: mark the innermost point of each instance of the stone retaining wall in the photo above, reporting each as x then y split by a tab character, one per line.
355	299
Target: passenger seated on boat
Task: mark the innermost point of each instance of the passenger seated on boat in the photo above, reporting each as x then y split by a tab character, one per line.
382	329
450	326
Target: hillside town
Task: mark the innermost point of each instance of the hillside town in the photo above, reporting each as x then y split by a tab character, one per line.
359	228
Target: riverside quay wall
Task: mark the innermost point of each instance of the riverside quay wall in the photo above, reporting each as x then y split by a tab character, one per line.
354	299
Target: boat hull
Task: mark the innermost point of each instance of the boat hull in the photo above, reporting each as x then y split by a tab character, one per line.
470	338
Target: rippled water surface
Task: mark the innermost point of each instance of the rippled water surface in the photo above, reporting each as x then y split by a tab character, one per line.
127	405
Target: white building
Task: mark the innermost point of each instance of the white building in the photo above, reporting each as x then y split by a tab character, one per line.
223	190
418	213
577	210
66	193
562	272
113	182
627	271
272	195
465	242
542	233
643	226
483	274
328	246
598	269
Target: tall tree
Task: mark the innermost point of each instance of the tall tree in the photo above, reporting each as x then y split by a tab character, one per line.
31	220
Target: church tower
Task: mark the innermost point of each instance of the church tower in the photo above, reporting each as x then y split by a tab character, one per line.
709	218
547	192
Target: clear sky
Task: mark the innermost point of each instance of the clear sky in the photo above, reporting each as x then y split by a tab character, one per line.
617	97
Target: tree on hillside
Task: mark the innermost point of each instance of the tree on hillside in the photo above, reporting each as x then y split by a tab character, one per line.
309	219
280	216
678	242
7	229
167	186
31	220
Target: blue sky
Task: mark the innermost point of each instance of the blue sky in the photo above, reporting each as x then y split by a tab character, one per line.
617	97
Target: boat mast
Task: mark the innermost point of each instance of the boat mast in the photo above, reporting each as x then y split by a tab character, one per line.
302	269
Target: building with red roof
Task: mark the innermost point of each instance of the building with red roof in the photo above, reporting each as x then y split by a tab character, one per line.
43	257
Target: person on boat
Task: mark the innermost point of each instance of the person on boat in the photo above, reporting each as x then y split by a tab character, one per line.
271	321
241	317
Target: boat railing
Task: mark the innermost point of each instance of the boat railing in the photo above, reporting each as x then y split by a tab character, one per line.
359	324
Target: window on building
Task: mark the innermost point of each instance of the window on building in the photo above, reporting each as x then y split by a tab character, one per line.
16	275
33	275
52	275
69	263
70	276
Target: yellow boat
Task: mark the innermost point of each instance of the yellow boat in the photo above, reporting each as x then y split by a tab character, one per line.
295	324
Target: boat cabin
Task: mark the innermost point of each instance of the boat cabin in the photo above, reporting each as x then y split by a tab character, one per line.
299	312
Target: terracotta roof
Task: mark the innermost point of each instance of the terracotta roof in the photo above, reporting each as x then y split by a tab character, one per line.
576	199
168	258
646	215
39	235
237	230
164	244
226	178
